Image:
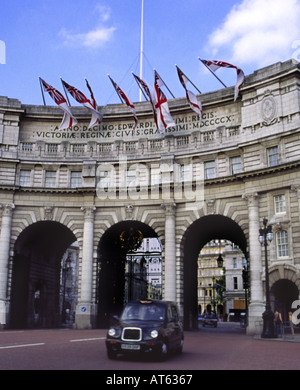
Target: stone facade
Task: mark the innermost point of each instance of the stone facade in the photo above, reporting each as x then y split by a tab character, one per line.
200	181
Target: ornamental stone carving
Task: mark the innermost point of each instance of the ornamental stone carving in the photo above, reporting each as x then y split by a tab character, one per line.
268	109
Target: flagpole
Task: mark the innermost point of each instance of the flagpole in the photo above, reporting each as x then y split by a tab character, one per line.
42	91
142	46
65	91
164	83
190	81
212	72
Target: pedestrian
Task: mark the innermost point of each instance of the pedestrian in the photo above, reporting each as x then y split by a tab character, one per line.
277	322
291	323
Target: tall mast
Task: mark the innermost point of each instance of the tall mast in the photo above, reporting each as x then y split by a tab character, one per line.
142	48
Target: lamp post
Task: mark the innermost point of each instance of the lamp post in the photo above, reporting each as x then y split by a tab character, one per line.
245	277
265	235
65	271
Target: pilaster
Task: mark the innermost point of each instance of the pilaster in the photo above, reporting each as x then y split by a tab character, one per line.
85	311
4	258
170	251
256	306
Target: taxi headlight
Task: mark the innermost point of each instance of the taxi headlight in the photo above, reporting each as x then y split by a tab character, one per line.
112	332
154	333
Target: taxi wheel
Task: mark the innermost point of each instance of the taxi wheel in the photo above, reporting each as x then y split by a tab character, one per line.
112	354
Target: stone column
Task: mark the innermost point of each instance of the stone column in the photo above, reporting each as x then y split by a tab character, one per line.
4	258
170	251
85	311
256	307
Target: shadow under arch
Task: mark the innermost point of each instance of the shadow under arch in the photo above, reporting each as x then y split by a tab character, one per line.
111	268
283	293
35	286
199	233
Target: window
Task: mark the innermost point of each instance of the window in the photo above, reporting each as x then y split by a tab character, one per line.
185	173
131	177
282	243
210	170
244	263
273	156
50	179
236	165
234	262
24	178
75	179
280	204
235	283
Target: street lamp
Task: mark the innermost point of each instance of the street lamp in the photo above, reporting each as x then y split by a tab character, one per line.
266	235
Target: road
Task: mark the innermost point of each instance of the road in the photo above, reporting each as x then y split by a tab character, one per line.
223	348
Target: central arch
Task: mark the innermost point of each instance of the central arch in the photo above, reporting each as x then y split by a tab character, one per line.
115	243
196	236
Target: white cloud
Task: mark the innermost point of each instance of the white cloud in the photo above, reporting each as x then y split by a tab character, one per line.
93	38
258	31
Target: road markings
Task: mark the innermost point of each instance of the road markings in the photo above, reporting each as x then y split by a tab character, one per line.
21	346
96	338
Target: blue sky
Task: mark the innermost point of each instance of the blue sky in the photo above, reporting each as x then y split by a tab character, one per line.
79	38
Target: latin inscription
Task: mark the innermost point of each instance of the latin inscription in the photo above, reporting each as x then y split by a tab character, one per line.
109	131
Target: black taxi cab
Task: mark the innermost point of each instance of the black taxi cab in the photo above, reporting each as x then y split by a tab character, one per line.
146	326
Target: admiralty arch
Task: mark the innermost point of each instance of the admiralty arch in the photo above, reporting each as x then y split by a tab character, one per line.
214	179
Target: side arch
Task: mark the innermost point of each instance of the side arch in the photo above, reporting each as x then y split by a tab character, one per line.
36	267
196	236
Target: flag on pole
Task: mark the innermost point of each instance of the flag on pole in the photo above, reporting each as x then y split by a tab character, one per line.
164	118
82	99
191	98
96	116
215	65
125	100
68	120
148	93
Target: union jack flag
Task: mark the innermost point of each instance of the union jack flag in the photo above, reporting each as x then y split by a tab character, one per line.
54	93
191	98
145	87
125	99
149	94
77	95
68	119
82	99
215	65
92	95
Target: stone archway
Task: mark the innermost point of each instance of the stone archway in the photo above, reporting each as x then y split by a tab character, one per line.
112	249
196	236
35	287
285	288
